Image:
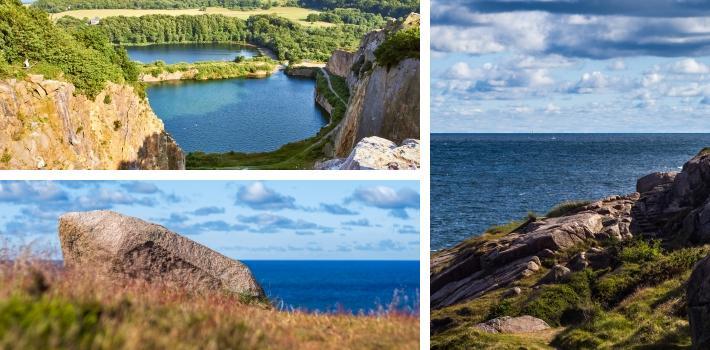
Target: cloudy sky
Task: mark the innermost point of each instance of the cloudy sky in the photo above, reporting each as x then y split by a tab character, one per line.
570	66
276	220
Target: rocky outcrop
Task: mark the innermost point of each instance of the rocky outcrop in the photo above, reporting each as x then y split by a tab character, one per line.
471	269
125	246
376	153
323	102
507	324
383	101
698	295
44	125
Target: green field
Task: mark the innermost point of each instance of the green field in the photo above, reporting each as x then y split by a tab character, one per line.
293	13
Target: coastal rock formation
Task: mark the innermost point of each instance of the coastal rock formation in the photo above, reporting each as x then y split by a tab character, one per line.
383	101
507	324
45	126
130	247
698	294
376	153
471	269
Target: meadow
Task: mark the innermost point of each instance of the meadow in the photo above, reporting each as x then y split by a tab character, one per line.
293	13
43	306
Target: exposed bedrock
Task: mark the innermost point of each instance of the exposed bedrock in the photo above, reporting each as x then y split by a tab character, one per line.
125	246
44	125
376	153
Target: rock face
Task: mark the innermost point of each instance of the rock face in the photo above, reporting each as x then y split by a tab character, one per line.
340	63
127	246
469	270
383	102
44	125
507	324
698	294
376	153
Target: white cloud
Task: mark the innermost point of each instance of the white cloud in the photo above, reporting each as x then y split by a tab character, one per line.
689	66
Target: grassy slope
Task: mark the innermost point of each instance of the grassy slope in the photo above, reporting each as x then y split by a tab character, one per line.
293	13
53	309
638	303
296	155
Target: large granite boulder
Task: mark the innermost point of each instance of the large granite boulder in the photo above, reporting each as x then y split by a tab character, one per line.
698	294
507	324
126	246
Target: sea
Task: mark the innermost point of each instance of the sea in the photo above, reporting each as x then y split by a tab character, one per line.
353	287
480	180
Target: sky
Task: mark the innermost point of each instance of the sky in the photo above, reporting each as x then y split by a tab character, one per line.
248	220
570	66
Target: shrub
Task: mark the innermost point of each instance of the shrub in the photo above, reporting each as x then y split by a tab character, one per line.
107	99
6	157
117	125
551	301
398	46
641	251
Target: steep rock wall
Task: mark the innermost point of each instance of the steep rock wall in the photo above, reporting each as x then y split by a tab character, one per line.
383	102
43	125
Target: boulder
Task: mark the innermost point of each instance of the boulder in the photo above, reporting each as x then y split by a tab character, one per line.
376	153
557	274
507	324
129	247
650	181
698	295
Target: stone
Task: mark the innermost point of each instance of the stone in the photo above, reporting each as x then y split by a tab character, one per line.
339	63
512	292
698	295
650	181
507	324
125	246
578	262
376	153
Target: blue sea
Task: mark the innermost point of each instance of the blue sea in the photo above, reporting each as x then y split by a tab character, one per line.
480	180
340	286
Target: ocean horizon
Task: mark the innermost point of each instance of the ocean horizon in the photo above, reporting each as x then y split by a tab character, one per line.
483	179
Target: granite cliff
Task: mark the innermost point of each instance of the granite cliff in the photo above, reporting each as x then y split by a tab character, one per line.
384	101
625	259
45	125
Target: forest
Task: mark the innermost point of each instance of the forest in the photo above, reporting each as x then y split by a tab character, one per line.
347	16
388	8
83	55
287	39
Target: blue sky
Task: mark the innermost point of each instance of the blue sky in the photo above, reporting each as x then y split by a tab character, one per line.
570	66
278	220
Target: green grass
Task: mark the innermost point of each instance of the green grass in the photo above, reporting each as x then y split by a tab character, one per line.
297	155
637	303
566	208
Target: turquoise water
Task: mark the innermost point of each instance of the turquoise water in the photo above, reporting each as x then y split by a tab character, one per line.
241	115
176	53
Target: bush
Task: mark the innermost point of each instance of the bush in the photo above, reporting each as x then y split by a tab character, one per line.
117	125
107	99
398	46
640	251
550	303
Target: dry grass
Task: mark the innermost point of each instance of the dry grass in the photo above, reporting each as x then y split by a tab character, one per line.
297	14
42	306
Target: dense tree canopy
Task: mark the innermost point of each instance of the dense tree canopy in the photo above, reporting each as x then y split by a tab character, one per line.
287	39
349	16
390	8
83	55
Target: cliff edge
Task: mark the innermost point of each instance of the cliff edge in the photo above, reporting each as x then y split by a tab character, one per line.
46	126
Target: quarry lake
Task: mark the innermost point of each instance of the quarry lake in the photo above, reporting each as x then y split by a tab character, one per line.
339	286
242	115
176	53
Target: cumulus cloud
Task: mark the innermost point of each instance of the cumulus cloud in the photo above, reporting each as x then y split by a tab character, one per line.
359	222
383	245
408	229
142	187
689	66
259	197
617	64
589	83
31	192
383	197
